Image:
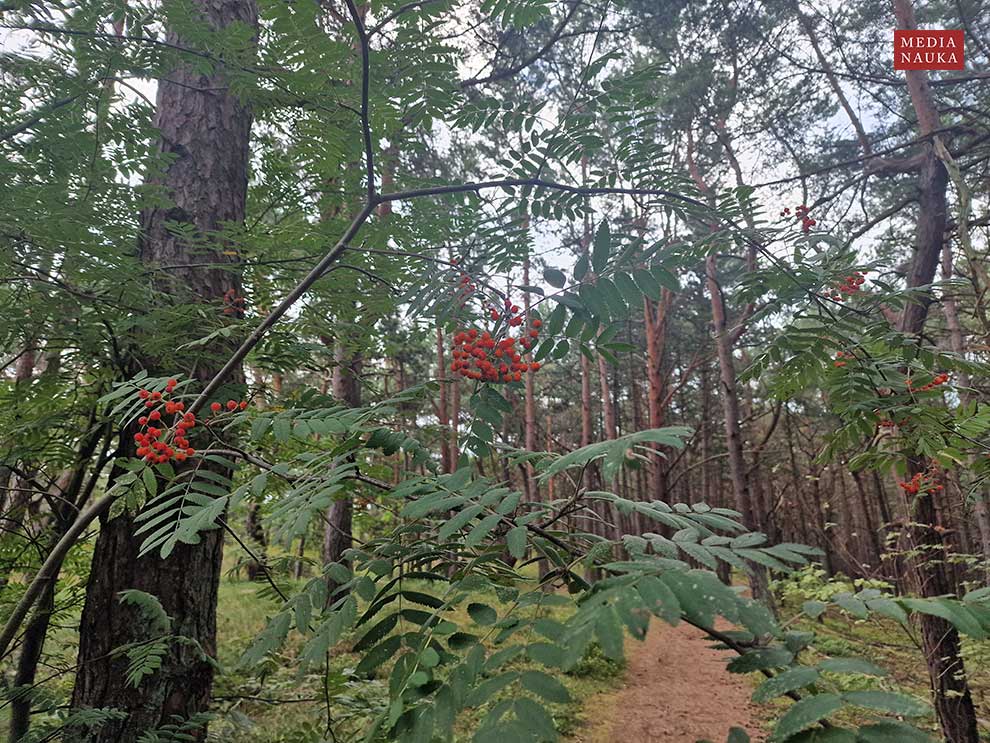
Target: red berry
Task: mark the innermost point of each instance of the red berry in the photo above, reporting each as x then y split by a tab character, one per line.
243	405
231	405
143	420
154	415
143	394
536	323
216	407
190	451
156	395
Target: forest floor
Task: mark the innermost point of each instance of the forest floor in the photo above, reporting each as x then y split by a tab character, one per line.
676	689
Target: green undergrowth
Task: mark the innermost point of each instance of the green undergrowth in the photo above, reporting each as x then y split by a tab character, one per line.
278	704
877	640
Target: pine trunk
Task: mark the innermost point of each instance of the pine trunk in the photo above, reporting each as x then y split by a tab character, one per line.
337	536
205	129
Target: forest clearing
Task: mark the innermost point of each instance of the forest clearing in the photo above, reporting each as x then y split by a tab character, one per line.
494	370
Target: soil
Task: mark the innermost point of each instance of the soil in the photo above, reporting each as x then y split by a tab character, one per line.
676	690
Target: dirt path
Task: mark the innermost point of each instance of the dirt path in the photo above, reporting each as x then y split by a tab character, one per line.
676	690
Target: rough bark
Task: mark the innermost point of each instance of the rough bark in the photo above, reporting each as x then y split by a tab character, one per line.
255	531
205	129
940	640
733	431
337	536
655	315
32	645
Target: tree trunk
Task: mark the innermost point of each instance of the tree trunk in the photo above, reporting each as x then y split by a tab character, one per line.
655	317
442	408
255	531
940	640
32	644
205	127
337	537
733	432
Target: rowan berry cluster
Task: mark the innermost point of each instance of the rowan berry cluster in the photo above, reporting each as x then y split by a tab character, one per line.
232	304
164	442
481	356
840	359
937	380
160	440
232	405
466	288
922	482
800	212
847	287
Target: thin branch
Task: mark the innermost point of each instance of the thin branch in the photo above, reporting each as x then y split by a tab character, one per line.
369	150
40	116
523	64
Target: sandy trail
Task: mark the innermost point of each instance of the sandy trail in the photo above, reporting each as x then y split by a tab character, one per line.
676	690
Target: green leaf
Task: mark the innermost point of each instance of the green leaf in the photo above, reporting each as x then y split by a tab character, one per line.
609	633
547	654
760	659
555	321
377	632
581	268
378	655
825	735
647	284
630	292
488	688
887	701
150	481
458	521
952	611
515	540
891	731
804	714
482	614
851	665
535	719
790	680
555	277
814	609
666	278
545	686
484	527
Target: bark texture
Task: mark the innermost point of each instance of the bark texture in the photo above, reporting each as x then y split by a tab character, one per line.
940	640
204	129
337	537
